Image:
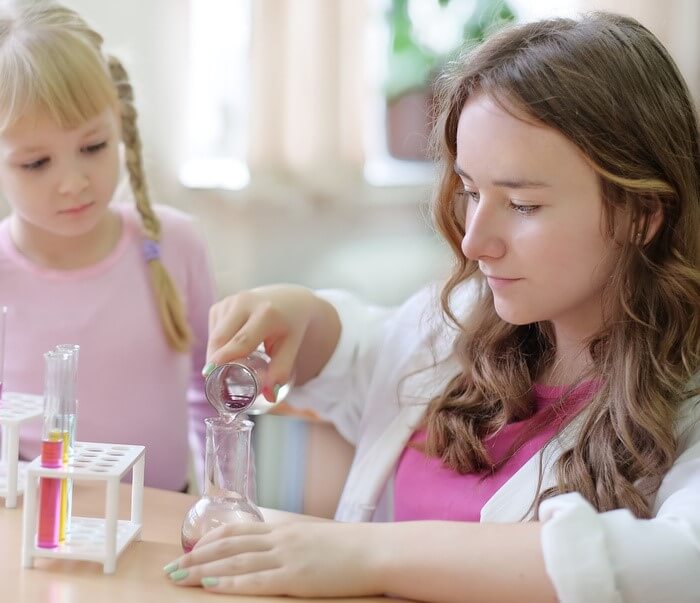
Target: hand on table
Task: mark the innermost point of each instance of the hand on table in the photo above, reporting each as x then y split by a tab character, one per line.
306	559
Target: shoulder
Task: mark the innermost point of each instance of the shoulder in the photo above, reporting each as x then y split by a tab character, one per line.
420	332
425	309
689	411
178	228
175	222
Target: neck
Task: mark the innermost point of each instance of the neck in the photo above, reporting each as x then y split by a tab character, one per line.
66	252
572	358
567	367
572	334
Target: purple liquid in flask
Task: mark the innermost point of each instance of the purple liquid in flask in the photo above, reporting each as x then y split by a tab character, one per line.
233	387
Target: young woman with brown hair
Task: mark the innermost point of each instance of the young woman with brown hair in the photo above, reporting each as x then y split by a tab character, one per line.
532	433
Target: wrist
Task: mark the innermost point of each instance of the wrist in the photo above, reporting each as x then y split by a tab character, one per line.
383	547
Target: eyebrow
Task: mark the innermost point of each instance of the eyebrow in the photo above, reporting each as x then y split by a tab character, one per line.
94	130
20	152
520	183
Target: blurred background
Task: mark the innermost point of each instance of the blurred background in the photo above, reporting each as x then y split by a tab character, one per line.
295	131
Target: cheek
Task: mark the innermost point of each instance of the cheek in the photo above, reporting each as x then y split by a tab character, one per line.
18	190
583	259
109	171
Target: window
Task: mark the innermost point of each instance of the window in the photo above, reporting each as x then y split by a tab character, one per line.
217	106
415	38
326	108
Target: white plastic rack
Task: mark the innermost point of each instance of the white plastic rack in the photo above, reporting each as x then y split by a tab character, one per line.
15	410
100	539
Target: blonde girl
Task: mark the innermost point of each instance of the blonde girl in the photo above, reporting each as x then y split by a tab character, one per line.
128	283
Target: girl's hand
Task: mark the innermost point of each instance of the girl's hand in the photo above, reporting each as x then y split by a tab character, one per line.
277	316
307	559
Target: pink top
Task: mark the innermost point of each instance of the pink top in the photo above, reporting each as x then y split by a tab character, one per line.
132	387
425	489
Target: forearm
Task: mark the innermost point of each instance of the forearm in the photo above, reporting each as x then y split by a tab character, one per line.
277	516
319	342
445	562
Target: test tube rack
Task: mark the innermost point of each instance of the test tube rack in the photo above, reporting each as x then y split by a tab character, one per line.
15	409
91	538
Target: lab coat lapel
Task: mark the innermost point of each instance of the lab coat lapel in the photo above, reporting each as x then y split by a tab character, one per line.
512	501
371	472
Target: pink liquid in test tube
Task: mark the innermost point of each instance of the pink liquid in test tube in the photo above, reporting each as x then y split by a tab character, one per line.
50	494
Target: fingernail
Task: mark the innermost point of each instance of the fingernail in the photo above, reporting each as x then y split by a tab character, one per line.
170	568
209	581
276	391
179	575
208	368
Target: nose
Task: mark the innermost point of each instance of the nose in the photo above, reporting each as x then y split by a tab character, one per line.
483	232
73	181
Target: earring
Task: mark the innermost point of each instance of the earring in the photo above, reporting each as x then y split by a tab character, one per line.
638	238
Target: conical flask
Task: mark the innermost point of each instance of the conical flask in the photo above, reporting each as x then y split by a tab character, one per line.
226	489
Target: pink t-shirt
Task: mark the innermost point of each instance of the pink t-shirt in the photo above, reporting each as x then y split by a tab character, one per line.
425	489
132	387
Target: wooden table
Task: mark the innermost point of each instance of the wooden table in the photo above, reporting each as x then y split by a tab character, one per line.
139	575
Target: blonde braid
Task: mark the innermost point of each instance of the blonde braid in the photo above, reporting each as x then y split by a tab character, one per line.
170	307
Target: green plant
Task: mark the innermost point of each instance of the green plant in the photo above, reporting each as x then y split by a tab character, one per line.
412	63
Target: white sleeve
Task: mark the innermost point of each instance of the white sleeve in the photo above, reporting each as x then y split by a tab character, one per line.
614	557
339	392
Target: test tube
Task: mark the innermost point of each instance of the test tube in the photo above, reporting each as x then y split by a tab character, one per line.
68	403
51	456
3	320
67	412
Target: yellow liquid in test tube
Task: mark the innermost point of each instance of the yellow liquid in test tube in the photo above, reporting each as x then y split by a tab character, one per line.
66	485
63	525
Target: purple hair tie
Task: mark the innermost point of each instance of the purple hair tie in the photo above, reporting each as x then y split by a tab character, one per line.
151	250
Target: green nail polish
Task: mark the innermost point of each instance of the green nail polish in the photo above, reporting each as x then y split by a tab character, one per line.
170	568
276	391
208	581
208	368
180	574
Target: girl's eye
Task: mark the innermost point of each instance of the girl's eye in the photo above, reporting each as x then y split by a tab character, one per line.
524	209
94	148
35	165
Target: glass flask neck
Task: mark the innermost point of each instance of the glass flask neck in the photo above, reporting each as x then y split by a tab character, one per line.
227	459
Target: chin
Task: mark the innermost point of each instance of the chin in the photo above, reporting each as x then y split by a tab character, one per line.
514	315
77	230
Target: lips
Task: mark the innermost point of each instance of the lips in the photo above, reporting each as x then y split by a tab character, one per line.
77	208
500	282
500	278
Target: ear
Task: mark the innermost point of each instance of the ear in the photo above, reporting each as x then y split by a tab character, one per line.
654	222
649	223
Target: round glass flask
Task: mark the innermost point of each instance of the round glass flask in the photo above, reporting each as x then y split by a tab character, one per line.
227	474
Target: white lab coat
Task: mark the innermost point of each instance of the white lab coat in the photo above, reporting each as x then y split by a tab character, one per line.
375	388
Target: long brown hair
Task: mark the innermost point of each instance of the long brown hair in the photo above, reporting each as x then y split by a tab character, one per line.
608	85
52	61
